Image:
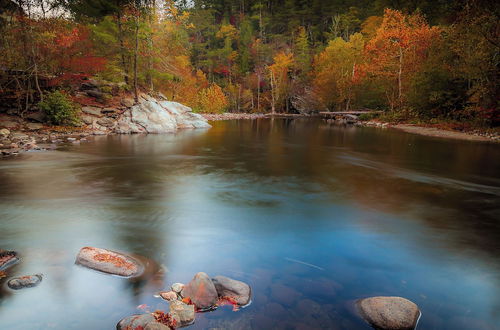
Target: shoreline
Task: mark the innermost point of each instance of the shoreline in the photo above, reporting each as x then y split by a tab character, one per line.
239	116
476	136
28	136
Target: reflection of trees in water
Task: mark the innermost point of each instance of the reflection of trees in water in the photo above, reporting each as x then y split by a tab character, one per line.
420	178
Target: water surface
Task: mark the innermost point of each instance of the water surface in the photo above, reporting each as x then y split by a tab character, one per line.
312	216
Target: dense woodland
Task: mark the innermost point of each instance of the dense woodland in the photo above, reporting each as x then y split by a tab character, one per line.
412	59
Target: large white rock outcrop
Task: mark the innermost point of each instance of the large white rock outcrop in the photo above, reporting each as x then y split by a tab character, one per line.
153	116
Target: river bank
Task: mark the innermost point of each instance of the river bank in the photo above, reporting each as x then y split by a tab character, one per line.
18	135
474	135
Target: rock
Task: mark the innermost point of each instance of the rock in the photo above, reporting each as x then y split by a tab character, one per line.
202	291
4	132
284	295
151	116
227	287
156	326
177	287
9	124
22	282
95	93
182	313
128	102
7	259
389	313
39	116
18	136
109	262
133	322
106	122
34	126
184	115
92	111
89	120
169	296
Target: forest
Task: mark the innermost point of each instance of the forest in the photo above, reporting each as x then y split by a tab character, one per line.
413	60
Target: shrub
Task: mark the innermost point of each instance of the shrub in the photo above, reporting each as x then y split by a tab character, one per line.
59	108
212	100
368	116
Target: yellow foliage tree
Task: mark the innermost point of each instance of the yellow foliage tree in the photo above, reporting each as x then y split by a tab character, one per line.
336	71
212	100
279	80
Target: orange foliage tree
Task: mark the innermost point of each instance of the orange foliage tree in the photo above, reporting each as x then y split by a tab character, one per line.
397	50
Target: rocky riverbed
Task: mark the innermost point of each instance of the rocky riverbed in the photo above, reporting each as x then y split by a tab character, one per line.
206	294
149	116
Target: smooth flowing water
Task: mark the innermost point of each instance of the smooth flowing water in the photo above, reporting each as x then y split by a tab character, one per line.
312	216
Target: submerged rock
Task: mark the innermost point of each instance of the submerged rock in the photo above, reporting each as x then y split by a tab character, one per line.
182	313
7	259
28	281
109	262
284	294
389	313
201	290
139	321
227	287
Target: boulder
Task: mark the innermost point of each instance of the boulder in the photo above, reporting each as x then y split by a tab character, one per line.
169	296
182	313
109	262
38	116
156	326
227	287
152	116
201	290
389	313
89	120
128	102
177	287
139	321
284	294
9	124
4	132
106	122
34	126
7	259
92	111
95	93
28	281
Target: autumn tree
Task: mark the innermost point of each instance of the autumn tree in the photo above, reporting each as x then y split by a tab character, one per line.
397	50
336	71
279	80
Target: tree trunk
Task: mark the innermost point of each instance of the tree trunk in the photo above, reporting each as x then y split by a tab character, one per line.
258	92
136	52
400	74
273	91
122	48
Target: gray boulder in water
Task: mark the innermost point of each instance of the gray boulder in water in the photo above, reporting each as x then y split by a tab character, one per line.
153	116
139	321
229	288
182	313
28	281
389	313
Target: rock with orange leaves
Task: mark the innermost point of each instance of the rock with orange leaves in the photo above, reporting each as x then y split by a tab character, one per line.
109	262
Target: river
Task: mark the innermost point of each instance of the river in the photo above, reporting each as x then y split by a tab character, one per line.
312	216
